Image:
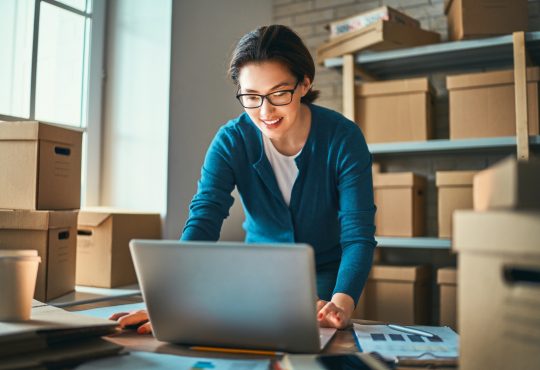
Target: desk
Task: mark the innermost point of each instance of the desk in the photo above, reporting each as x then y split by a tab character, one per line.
342	342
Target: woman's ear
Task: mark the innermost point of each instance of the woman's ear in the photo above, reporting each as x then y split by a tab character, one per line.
306	85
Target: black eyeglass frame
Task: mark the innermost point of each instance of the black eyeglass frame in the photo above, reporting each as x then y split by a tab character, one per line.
291	91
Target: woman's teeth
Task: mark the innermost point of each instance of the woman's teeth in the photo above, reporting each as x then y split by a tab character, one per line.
272	122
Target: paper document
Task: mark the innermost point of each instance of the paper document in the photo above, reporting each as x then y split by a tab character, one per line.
394	345
158	361
106	312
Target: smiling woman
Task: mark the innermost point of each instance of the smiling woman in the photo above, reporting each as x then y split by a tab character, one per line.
303	172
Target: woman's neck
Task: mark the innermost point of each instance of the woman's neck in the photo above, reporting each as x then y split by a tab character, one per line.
295	140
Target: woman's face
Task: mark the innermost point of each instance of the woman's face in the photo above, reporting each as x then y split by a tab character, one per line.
266	78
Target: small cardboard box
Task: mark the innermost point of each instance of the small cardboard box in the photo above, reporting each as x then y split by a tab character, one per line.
455	191
53	235
482	18
509	184
400	199
499	289
396	294
382	35
41	166
398	110
365	19
483	104
103	256
447	281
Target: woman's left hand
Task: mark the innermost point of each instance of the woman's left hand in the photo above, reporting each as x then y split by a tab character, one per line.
336	313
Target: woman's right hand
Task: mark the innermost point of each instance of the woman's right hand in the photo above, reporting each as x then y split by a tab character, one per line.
139	317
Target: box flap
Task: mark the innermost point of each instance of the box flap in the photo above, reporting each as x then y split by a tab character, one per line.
454	178
447	275
410	85
503	77
400	273
398	179
19	130
95	216
502	232
34	130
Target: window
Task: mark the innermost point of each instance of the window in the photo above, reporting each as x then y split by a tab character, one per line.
51	66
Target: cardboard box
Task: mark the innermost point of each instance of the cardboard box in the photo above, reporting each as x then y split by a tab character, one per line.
509	184
382	35
40	165
53	235
398	110
447	281
455	191
103	256
483	104
400	199
365	19
499	289
481	18
396	294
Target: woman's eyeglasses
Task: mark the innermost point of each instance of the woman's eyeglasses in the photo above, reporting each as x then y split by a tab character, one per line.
281	97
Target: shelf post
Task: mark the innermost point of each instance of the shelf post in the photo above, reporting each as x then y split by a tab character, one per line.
348	87
520	90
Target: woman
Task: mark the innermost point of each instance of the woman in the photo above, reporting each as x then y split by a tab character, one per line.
303	172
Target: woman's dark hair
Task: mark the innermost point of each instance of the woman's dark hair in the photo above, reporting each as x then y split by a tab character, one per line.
275	43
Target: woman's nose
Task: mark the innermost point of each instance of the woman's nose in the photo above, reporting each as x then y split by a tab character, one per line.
266	107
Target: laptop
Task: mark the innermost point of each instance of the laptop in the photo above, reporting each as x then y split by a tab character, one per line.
252	296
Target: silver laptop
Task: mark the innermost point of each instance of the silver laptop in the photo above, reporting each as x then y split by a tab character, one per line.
231	294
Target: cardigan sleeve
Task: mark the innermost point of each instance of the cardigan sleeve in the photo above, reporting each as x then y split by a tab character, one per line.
356	213
213	200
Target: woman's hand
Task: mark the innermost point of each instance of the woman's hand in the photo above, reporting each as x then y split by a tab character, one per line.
336	313
139	317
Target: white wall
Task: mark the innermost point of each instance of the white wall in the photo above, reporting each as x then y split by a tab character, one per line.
202	98
136	105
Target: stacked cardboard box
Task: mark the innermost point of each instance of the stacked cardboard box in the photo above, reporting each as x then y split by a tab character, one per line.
499	270
481	18
447	281
483	104
397	294
103	256
398	110
400	200
40	191
455	191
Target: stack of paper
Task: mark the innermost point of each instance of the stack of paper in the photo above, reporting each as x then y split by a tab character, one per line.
54	338
402	347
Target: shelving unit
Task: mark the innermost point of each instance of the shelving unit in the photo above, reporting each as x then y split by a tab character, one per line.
418	242
517	50
443	145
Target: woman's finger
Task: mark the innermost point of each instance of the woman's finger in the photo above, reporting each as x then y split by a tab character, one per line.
133	319
117	315
145	328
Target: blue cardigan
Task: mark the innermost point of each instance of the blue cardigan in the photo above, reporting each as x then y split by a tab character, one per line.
331	206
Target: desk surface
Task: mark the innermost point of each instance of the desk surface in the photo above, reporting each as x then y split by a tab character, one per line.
342	342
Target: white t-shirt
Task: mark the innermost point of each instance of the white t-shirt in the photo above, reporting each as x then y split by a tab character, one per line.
284	167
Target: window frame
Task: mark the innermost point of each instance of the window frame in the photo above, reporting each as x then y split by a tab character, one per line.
91	123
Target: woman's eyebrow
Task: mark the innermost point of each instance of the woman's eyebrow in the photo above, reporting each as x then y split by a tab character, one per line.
273	88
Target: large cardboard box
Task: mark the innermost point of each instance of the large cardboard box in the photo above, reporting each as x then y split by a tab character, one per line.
455	191
447	281
398	110
483	104
382	35
54	235
396	294
40	165
103	256
509	184
400	200
499	289
364	19
481	18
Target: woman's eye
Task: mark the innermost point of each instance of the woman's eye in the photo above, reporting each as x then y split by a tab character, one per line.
251	98
279	93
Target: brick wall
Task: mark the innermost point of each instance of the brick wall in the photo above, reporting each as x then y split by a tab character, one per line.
309	17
